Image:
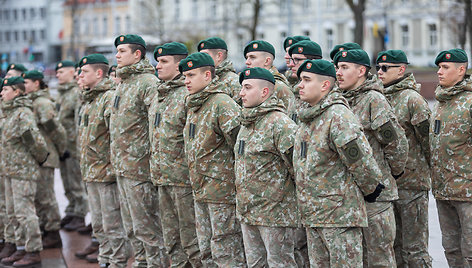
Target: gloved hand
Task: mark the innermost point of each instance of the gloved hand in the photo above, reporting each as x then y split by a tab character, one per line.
64	156
370	198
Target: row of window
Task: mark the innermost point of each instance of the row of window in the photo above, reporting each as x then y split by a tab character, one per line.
22	14
25	35
97	27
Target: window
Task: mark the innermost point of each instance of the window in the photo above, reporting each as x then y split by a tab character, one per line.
117	25
405	36
105	26
7	36
195	7
329	38
1	37
6	14
76	27
33	13
433	35
42	34
23	13
329	3
15	36
42	11
306	5
177	9
95	26
128	23
283	6
25	36
15	14
33	36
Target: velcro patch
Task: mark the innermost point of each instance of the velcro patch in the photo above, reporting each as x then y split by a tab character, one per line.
191	130
437	126
387	133
423	128
117	102
352	152
50	125
27	138
241	147
303	149
157	120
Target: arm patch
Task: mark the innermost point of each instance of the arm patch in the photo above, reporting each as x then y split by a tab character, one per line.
27	138
50	125
352	152
387	133
423	128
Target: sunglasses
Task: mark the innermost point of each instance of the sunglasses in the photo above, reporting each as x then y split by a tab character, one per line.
385	68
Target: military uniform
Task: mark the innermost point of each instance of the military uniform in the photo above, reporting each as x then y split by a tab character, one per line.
169	171
3	212
130	149
268	217
68	104
209	134
411	209
227	74
451	153
26	148
283	92
390	147
334	169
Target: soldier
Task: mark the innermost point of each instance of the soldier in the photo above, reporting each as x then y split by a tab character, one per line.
130	146
112	74
55	136
451	152
15	70
363	91
95	163
413	113
299	52
27	151
334	169
289	41
209	135
261	54
3	212
68	104
218	50
345	46
169	169
265	197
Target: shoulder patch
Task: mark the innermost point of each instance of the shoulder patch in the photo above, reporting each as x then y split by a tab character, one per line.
423	128
352	152
27	138
387	132
50	125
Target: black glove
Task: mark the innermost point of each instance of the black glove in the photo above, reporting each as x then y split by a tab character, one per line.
399	175
370	198
46	159
64	156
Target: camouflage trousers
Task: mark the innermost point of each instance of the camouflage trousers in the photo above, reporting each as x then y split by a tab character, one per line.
455	220
3	210
178	225
301	249
19	195
141	221
335	247
379	237
73	187
268	246
219	235
107	225
411	218
46	202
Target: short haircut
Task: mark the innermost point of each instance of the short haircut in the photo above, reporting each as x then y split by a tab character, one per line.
209	68
101	66
178	58
331	80
269	85
135	47
20	87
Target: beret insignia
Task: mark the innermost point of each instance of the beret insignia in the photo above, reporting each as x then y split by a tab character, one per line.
159	51
308	65
248	72
255	46
341	48
84	60
5	81
344	54
122	38
300	49
290	41
202	45
12	66
190	64
384	57
448	56
60	64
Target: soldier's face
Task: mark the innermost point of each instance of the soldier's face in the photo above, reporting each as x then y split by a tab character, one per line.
8	93
90	77
65	75
450	73
252	92
196	80
310	88
295	62
394	72
12	73
167	68
348	75
256	59
125	57
287	57
31	86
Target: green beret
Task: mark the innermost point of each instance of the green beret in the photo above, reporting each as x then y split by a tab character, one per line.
357	56
195	60
392	56
130	39
18	67
259	45
33	74
256	73
294	39
305	47
321	67
173	48
14	80
93	59
345	46
112	69
65	63
451	55
212	43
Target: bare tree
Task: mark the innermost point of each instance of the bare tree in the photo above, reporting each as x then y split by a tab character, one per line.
250	26
358	8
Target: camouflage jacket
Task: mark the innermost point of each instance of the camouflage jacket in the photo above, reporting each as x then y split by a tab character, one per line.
292	81
210	134
334	165
22	141
2	151
282	91
299	104
413	114
53	132
67	106
265	188
451	144
167	116
228	76
386	136
129	131
95	164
